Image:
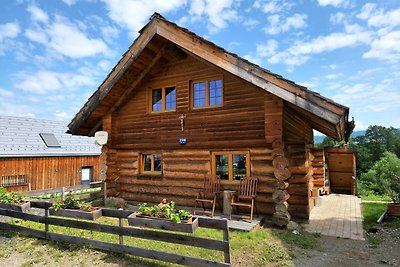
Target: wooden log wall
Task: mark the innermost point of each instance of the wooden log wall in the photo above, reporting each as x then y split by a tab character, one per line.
249	120
318	164
182	177
298	136
240	118
274	135
50	172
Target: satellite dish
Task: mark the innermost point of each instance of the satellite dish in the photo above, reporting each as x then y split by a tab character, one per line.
101	137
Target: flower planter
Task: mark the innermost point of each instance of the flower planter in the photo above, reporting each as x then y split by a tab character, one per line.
77	213
136	219
23	207
393	209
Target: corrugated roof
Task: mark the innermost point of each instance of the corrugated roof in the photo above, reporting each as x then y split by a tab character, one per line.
19	137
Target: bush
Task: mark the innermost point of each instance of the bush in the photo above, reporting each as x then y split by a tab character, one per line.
383	178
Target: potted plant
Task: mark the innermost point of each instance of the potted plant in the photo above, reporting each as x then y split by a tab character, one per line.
13	201
394	192
163	216
72	207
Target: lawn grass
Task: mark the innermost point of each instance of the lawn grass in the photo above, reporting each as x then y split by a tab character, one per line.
263	247
371	213
376	198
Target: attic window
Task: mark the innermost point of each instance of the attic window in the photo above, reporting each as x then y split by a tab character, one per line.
50	140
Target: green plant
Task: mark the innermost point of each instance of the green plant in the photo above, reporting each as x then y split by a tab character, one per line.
164	210
10	197
383	178
70	202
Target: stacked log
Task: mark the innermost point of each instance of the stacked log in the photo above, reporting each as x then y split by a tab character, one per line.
280	195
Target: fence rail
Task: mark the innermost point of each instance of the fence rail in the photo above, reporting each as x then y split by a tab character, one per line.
121	231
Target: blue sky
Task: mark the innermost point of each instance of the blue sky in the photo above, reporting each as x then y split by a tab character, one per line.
54	54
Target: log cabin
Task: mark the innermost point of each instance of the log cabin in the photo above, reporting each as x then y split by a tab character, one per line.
178	107
37	154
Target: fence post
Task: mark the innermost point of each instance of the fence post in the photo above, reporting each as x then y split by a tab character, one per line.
121	224
63	193
104	188
227	254
46	225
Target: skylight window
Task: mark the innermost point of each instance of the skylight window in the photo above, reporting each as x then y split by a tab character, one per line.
50	140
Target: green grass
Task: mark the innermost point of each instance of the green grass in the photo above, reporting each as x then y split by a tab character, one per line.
371	213
263	247
376	198
305	240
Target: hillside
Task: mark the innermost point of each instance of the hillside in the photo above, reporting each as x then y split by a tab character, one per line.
320	138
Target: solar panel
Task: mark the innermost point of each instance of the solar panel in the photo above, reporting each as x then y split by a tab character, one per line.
50	140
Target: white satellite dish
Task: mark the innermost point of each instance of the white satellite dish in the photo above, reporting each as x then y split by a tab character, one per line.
101	137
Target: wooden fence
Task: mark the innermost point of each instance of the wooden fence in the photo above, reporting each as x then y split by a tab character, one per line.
64	190
121	231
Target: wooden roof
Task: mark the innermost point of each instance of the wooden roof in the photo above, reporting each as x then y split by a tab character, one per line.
162	39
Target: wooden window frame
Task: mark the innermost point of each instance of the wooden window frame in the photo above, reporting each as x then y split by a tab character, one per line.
163	98
207	82
142	162
230	163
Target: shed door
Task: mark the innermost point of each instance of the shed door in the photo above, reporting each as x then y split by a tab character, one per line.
87	173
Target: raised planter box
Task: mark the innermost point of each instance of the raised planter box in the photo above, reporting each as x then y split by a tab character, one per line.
136	219
16	207
77	213
393	209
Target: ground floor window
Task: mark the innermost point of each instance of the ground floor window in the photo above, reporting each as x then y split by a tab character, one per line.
86	175
231	165
150	163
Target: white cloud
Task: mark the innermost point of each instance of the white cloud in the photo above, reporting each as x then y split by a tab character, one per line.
250	23
337	18
134	14
6	93
359	125
300	52
43	82
384	93
276	25
272	6
217	13
37	14
64	37
385	48
335	3
378	17
70	2
332	76
9	30
268	49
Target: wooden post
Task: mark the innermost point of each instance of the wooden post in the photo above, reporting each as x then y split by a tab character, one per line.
227	253
104	187
46	225
121	224
63	193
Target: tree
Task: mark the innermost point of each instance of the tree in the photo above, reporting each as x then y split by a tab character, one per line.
383	178
371	146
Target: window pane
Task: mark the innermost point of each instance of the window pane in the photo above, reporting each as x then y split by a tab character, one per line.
156	100
157	163
170	98
215	92
221	168
239	166
147	163
199	94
